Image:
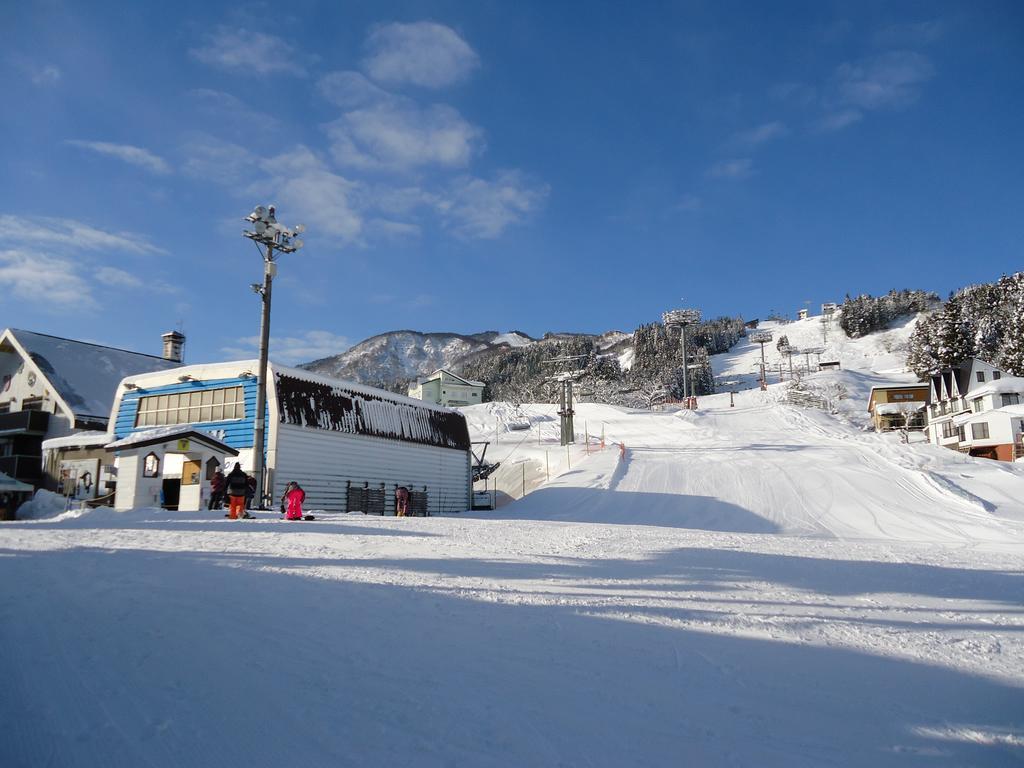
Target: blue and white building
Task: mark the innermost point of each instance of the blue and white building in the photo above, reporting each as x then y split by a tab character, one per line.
349	446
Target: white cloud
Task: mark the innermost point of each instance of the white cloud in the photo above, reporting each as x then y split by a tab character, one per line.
737	168
212	159
391	230
42	75
248	51
312	194
762	134
422	53
477	208
836	121
229	111
422	301
400	135
70	234
49	74
890	80
291	350
349	90
118	278
136	156
49	283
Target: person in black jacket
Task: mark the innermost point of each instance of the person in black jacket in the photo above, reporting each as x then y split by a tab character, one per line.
237	484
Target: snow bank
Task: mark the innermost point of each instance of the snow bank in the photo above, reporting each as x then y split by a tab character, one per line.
44	505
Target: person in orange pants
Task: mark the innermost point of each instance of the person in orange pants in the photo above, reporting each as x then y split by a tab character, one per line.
237	484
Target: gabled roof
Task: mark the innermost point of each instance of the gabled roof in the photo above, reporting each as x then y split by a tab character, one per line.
468	382
83	375
167	434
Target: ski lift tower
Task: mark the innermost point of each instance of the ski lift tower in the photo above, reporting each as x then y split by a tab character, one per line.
682	318
762	338
808	351
566	411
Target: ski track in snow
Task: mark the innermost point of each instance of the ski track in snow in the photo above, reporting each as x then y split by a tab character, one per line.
757	585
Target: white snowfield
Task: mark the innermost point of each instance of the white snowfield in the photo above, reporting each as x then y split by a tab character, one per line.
757	585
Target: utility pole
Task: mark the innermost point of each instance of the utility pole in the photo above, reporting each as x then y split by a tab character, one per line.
267	232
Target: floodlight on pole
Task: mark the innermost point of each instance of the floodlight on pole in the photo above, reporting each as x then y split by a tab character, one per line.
682	318
268	232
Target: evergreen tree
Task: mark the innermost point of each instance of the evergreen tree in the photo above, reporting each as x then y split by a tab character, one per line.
1011	353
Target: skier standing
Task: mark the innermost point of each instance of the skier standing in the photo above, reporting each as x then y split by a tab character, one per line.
237	483
216	490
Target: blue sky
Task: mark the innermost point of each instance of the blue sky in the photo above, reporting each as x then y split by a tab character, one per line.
465	166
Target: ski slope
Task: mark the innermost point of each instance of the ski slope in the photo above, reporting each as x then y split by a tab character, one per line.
750	585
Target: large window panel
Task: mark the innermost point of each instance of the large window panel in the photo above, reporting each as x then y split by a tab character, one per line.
221	404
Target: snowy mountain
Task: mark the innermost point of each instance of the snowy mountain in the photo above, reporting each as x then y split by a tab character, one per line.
392	359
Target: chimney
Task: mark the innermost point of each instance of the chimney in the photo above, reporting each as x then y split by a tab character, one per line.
174	346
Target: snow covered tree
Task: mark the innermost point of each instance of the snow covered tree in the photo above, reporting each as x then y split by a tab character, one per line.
866	314
1011	353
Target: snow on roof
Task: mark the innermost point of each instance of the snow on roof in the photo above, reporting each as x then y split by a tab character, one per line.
362	389
1008	411
920	385
166	434
85	375
436	374
85	439
1005	385
317	402
10	485
890	408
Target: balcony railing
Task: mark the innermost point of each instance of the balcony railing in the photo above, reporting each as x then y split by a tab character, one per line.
24	423
28	469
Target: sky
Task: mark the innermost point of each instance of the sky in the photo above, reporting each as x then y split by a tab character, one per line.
471	166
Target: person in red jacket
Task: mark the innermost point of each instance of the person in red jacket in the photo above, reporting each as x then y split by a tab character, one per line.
217	485
295	496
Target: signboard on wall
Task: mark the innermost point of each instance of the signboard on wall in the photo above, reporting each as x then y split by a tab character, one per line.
80	478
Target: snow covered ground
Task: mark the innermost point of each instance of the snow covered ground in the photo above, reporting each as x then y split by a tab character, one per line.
751	585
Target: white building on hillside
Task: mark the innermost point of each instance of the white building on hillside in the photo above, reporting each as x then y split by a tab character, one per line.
974	408
443	387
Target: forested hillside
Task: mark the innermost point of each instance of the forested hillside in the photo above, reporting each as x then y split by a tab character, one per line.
985	321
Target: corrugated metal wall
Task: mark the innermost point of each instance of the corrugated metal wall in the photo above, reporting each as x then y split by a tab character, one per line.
322	461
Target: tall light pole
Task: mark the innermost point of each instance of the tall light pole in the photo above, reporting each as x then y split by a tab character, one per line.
275	237
682	318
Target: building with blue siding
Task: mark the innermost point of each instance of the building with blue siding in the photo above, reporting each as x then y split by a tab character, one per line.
349	446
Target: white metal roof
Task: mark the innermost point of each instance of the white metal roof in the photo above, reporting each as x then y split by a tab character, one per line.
84	375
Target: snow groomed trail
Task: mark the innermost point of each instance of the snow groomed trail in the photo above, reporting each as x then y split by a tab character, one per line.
745	586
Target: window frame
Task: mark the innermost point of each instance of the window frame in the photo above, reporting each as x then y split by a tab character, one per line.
980	427
171	408
151	468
